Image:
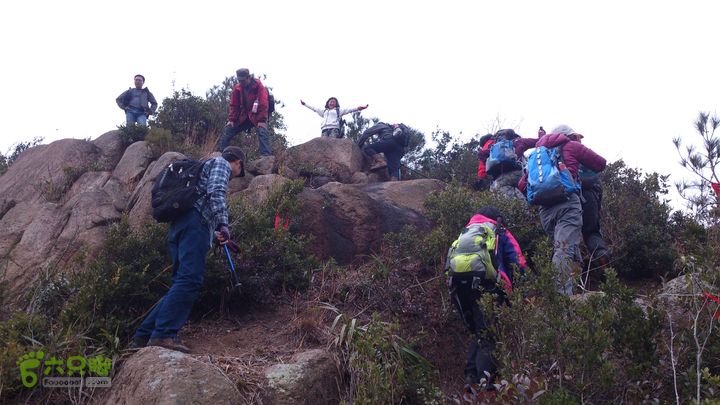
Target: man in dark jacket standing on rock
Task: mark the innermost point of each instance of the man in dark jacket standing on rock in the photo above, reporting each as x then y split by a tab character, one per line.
563	221
138	103
249	107
189	240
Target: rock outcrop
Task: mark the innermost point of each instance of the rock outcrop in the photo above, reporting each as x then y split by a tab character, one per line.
57	200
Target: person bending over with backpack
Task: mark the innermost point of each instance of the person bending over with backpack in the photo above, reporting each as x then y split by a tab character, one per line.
332	124
504	161
592	191
561	211
485	256
189	240
249	108
394	140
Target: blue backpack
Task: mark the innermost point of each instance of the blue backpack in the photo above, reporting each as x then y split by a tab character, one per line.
549	182
502	158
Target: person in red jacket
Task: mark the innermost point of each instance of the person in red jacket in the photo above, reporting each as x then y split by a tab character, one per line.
563	221
483	182
249	106
506	174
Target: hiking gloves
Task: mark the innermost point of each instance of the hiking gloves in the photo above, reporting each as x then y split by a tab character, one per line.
222	233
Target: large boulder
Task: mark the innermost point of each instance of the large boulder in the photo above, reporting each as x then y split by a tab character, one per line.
261	187
344	221
261	166
47	171
112	145
348	220
155	375
133	163
55	205
310	378
410	194
337	159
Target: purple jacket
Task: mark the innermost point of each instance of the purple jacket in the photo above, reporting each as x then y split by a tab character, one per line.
574	153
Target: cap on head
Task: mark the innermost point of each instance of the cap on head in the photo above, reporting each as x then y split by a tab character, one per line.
507	133
563	129
490	212
233	153
140	76
242	73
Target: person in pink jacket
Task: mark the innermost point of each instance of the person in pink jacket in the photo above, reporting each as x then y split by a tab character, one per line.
563	221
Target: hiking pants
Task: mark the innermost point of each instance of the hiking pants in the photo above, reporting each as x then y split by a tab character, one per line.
393	153
188	243
331	132
563	223
482	343
230	132
591	220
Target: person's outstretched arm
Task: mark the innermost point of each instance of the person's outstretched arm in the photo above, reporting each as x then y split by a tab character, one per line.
317	110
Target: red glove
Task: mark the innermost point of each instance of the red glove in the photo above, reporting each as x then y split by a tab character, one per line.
233	247
505	282
716	188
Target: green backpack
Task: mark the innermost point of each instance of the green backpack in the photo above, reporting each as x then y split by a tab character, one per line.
472	253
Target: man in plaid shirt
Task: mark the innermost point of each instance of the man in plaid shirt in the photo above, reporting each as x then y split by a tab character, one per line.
189	240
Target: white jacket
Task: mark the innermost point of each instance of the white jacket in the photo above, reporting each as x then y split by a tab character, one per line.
330	117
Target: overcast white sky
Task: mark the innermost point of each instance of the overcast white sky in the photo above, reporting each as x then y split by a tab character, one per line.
630	75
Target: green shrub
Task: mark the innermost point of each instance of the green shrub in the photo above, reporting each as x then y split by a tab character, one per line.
19	335
271	260
636	221
128	276
133	133
384	369
590	348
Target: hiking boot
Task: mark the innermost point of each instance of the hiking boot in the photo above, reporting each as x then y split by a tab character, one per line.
378	162
601	261
172	343
137	343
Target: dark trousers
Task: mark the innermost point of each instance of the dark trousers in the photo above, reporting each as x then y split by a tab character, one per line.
482	344
591	220
188	242
393	153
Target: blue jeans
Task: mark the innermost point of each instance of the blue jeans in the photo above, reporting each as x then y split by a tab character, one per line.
230	132
188	243
393	154
134	115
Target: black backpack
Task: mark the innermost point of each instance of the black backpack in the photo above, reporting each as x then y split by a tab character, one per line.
271	104
176	189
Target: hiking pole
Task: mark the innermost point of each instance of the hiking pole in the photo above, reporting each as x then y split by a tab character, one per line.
233	273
